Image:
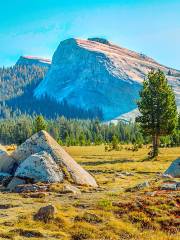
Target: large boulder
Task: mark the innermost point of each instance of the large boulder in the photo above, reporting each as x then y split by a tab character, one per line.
42	141
6	162
40	167
174	169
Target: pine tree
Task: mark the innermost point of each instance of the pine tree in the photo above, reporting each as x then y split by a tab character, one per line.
115	142
157	106
40	123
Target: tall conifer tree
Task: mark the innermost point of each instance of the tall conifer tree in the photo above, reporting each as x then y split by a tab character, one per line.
157	106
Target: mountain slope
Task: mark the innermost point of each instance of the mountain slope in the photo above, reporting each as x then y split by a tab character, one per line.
17	84
95	73
14	80
30	60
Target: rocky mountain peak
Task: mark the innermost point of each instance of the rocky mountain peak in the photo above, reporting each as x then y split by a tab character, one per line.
95	73
31	60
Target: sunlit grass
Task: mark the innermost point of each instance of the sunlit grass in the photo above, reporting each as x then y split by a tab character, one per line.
110	213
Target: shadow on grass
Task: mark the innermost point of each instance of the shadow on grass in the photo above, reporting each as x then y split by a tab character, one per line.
95	163
102	171
146	172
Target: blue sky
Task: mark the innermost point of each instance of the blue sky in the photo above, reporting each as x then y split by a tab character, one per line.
35	27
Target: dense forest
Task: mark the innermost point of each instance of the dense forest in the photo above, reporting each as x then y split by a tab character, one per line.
17	85
69	132
79	132
14	80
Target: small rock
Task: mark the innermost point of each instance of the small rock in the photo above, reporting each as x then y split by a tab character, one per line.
31	188
14	183
128	173
166	176
138	187
120	175
45	214
169	186
169	181
34	195
71	189
143	185
151	194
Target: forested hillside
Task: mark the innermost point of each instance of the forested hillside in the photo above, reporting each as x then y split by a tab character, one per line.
14	80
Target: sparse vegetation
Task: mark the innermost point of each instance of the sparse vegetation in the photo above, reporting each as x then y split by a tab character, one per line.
108	212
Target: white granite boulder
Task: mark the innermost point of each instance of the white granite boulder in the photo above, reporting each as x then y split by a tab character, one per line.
42	141
174	169
40	167
6	162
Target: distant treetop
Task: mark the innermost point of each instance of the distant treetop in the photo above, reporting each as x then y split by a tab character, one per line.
100	40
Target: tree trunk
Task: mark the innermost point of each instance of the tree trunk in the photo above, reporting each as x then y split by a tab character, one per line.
155	145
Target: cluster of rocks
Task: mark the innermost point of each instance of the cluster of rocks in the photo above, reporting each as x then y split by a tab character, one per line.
166	181
40	159
171	185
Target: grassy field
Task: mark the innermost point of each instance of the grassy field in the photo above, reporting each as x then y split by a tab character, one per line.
107	213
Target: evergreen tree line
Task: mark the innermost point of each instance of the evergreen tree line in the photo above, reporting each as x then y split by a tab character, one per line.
73	132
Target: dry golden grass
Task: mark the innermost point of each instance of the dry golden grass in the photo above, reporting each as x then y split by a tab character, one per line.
10	148
108	213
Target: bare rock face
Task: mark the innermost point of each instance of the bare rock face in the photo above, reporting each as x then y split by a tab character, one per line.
95	73
41	168
174	169
42	141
